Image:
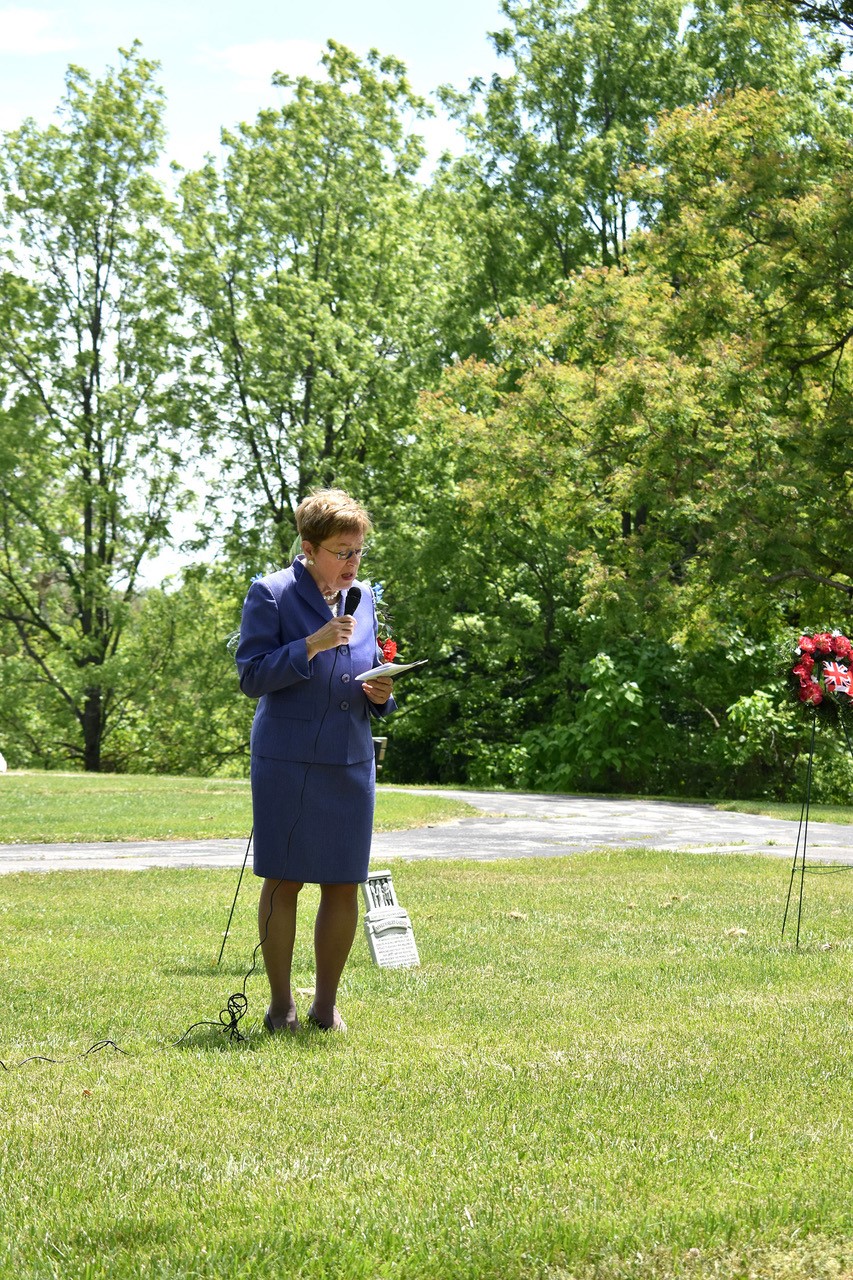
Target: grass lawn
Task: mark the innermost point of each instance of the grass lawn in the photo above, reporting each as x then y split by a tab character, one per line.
38	807
781	809
607	1067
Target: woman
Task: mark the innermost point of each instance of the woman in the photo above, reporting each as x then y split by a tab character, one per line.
313	765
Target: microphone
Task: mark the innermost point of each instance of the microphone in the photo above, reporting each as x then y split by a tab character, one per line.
352	601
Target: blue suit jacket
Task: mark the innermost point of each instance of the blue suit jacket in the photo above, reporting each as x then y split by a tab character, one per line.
307	710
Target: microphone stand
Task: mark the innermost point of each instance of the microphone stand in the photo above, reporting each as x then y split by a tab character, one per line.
234	903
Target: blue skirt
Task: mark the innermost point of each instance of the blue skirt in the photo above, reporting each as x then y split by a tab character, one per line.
313	822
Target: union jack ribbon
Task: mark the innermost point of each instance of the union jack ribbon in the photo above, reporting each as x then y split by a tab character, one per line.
836	677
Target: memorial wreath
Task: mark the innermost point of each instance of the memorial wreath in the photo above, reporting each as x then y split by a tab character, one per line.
819	677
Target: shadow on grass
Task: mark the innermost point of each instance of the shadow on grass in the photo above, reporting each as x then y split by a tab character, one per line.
209	969
213	1038
216	1037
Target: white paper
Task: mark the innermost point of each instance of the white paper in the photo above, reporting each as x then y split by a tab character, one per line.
390	669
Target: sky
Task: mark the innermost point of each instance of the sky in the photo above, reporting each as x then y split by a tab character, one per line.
217	56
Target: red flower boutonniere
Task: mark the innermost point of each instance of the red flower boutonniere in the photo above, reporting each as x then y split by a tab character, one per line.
384	621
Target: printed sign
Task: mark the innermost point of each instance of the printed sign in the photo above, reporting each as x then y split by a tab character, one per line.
389	930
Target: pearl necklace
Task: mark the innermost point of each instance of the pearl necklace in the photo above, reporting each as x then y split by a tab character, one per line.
332	597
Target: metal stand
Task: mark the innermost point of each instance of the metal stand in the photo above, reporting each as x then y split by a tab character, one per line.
799	863
237	890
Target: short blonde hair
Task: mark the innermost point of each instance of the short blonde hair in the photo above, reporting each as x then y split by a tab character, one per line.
326	513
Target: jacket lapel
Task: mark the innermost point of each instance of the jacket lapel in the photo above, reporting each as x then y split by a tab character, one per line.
308	590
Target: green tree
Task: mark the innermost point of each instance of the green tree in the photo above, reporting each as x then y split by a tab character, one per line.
187	716
648	483
751	223
537	189
538	193
89	460
735	44
315	266
837	16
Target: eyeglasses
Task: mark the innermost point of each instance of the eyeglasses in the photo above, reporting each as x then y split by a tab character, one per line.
361	552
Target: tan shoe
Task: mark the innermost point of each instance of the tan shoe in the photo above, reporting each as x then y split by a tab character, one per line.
284	1027
313	1021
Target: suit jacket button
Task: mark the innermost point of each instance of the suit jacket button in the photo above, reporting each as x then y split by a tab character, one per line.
345	679
344	706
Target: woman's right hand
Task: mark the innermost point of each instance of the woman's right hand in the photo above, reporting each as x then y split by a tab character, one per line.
336	631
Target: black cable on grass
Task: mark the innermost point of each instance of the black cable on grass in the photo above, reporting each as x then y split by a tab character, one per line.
40	1057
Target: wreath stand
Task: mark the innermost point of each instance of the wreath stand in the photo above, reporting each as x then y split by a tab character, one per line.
799	865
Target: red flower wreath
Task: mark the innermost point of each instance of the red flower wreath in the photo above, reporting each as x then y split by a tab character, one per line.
389	650
820	676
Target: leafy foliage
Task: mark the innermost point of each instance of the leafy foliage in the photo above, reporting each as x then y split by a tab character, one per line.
538	192
657	453
836	15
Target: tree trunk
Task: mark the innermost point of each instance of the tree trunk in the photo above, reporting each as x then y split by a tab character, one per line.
93	728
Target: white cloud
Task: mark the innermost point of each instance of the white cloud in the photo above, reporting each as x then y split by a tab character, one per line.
29	31
252	65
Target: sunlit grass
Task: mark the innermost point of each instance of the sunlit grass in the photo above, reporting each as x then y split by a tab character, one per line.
55	807
607	1066
780	809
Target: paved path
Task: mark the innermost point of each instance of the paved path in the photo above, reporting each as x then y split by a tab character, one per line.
510	826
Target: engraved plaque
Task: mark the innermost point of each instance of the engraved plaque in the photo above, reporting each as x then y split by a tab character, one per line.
387	925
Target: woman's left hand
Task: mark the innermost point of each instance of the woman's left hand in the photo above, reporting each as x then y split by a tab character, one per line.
378	690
